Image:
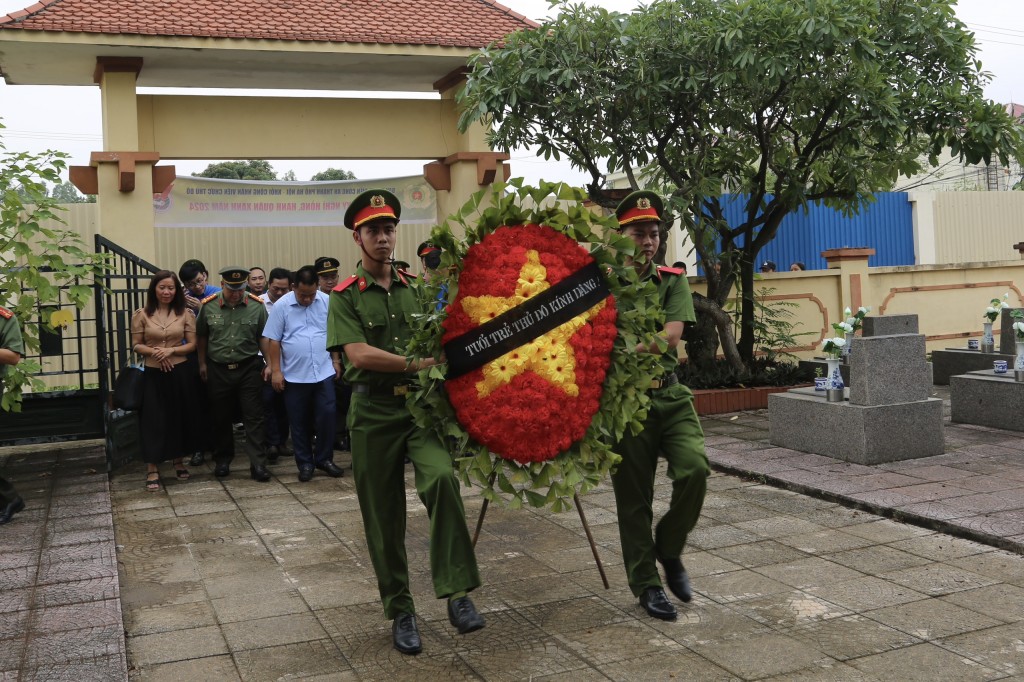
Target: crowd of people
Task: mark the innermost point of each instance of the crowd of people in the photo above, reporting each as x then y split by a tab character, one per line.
307	357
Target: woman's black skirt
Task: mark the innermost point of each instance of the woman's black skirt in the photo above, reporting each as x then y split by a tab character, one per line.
166	431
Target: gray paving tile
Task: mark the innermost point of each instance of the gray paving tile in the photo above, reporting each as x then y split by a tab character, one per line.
931	619
925	663
761	655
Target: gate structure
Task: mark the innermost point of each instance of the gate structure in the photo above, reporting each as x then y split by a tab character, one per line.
81	360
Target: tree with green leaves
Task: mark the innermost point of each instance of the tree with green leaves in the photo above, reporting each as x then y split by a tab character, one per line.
333	174
253	169
66	193
784	104
41	268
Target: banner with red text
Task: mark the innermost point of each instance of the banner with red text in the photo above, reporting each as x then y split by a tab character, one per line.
209	202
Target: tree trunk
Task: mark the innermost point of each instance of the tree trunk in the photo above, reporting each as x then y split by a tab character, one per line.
713	326
747	310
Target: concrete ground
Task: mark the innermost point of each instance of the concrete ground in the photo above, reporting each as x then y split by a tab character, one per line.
230	579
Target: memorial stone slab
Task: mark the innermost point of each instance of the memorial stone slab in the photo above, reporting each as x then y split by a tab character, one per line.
987	399
953	361
886	325
1007	341
889	370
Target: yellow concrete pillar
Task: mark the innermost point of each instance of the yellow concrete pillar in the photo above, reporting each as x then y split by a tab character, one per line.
124	175
853	267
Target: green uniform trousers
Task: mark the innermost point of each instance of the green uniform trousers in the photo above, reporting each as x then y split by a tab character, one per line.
383	434
226	389
672	430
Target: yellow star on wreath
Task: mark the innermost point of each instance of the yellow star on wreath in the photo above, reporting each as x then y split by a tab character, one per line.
550	356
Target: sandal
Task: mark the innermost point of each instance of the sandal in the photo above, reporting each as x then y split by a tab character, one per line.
181	472
153	481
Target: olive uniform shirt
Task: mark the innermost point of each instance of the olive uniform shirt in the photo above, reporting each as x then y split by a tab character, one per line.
233	334
676	300
365	312
10	339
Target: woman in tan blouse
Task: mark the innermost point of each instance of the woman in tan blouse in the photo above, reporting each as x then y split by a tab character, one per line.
164	332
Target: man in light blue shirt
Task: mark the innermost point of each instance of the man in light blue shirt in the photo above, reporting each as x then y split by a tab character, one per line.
301	367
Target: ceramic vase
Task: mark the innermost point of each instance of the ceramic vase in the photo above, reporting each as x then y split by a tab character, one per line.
1018	362
834	376
846	348
988	342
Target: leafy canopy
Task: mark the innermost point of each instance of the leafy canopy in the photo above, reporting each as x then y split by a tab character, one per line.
40	267
785	102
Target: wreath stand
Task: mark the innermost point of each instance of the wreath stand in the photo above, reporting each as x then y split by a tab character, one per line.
583	519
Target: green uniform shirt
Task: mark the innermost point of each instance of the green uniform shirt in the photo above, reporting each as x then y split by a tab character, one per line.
10	339
233	334
364	312
677	301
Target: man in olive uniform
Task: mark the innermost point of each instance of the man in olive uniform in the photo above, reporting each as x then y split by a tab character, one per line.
229	332
369	319
12	348
327	274
672	430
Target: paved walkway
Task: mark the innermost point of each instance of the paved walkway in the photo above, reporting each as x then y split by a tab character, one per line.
229	580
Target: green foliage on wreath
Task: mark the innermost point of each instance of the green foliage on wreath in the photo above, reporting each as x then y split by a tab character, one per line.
624	401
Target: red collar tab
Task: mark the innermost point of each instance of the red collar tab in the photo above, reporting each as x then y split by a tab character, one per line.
671	271
347	283
362	284
5	313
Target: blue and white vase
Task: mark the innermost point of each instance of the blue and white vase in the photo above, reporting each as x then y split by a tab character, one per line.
988	341
834	376
846	348
1018	362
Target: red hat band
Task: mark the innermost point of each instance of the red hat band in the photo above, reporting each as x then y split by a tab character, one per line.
636	215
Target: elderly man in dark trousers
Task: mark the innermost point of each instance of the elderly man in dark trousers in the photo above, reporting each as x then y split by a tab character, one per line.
302	369
12	348
671	430
369	320
229	331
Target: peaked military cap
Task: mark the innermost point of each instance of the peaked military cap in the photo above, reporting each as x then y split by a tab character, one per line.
425	248
325	265
638	207
373	204
234	277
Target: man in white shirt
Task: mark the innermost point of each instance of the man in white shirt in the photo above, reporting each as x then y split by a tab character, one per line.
303	370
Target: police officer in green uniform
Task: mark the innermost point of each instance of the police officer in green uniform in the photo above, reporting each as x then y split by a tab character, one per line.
229	331
672	430
12	348
369	320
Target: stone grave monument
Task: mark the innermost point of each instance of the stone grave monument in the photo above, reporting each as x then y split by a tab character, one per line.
881	325
889	414
962	360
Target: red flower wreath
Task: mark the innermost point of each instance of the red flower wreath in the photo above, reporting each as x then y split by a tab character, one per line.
534	402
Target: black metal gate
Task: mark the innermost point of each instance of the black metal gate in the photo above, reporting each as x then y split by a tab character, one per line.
80	360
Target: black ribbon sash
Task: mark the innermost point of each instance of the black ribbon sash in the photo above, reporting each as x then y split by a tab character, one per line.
574	295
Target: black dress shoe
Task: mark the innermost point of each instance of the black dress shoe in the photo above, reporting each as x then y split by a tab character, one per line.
12	508
656	603
406	635
462	614
222	469
197	459
259	473
305	473
676	579
331	469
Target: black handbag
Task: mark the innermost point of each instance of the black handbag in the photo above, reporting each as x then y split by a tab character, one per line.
128	388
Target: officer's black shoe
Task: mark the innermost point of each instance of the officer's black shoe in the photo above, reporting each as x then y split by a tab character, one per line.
676	579
406	635
259	473
12	508
197	459
462	614
222	469
272	452
305	473
656	603
331	469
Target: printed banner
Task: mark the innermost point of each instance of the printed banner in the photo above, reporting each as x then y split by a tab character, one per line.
210	202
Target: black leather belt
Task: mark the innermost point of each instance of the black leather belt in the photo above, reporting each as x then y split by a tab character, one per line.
664	382
235	365
382	391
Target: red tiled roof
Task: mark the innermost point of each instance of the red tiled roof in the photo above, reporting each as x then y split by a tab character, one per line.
449	23
1015	110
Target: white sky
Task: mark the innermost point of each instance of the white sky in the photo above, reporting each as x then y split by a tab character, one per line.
68	118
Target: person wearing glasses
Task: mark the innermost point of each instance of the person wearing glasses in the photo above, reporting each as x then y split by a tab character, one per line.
195	279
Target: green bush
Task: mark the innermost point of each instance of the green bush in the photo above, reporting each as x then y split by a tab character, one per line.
764	372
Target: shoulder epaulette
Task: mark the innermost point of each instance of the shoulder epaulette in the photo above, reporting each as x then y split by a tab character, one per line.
5	313
209	298
345	284
255	297
405	274
671	271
